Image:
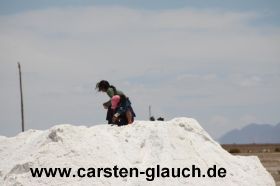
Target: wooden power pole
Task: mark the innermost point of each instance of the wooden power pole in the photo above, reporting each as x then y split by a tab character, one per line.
21	98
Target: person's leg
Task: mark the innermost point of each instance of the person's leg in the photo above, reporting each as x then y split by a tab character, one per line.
129	116
109	116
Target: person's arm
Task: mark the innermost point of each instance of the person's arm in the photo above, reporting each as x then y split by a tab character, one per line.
107	104
121	109
122	106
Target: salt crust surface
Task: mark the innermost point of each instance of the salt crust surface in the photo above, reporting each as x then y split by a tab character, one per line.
177	143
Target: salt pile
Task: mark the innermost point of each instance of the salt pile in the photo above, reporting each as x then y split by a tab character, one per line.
178	143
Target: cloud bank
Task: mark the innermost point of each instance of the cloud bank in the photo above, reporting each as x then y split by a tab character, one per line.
214	65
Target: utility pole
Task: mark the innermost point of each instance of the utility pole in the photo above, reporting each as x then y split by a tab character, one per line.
21	98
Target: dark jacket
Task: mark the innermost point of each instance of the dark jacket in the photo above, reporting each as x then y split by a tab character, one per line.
121	110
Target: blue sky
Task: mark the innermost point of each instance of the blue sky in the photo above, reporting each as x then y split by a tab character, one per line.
14	6
269	8
217	61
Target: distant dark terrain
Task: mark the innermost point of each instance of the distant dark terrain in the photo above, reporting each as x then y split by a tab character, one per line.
253	133
269	155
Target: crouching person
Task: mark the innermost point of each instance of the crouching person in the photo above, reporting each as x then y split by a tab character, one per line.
123	113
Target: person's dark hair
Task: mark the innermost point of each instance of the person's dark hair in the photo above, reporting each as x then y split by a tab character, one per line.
102	85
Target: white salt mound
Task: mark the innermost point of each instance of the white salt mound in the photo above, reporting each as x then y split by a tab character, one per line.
178	143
